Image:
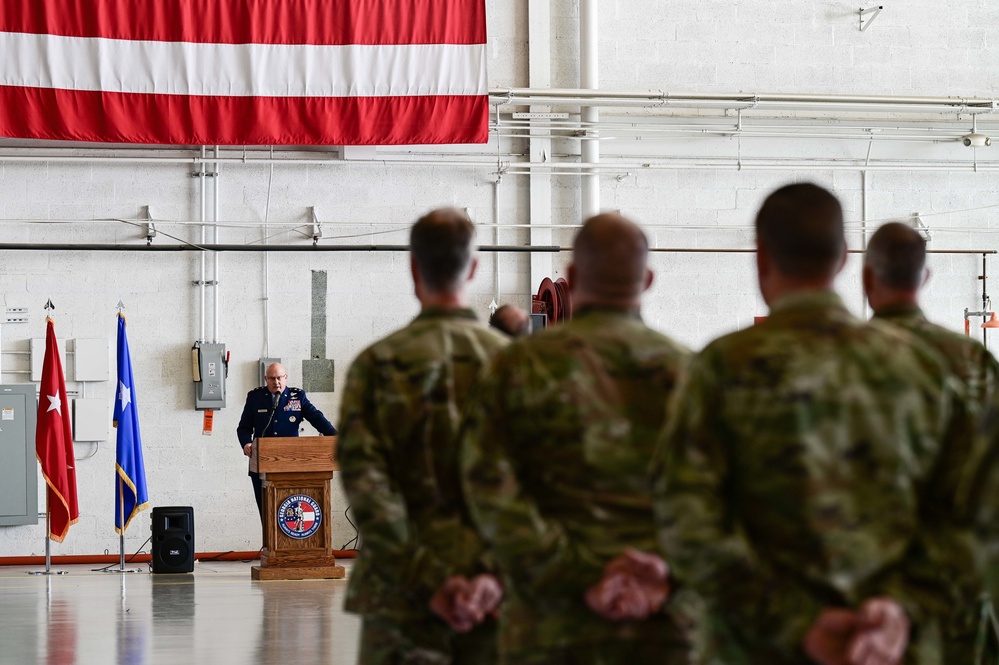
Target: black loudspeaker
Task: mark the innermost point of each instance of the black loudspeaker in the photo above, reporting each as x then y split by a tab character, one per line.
173	539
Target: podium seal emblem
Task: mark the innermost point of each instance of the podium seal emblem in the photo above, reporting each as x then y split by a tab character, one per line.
299	516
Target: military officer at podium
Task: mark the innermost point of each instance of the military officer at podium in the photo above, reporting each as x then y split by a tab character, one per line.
276	410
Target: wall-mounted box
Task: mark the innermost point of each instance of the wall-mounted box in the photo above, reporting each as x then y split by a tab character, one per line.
91	359
91	419
211	369
38	356
18	468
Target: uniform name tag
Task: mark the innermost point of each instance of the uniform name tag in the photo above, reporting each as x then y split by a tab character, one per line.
262	410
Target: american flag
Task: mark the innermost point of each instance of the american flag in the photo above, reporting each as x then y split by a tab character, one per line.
244	72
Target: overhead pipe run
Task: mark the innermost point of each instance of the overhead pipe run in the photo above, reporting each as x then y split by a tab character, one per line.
215	239
513	249
202	174
741	100
210	247
588	128
578	168
589	78
539	143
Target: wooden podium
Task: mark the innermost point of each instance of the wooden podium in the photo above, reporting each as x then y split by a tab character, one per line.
295	473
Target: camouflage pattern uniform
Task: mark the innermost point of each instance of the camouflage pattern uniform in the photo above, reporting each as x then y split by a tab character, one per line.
555	460
977	369
967	359
978	504
398	451
812	463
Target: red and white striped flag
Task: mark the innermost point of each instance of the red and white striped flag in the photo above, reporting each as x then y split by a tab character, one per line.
244	72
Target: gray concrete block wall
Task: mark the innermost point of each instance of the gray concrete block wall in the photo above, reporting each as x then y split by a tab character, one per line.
916	49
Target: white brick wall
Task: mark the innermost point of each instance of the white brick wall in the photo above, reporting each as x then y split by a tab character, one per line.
920	48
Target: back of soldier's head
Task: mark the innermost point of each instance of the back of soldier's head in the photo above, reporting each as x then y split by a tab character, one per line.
896	254
610	254
510	320
801	228
441	245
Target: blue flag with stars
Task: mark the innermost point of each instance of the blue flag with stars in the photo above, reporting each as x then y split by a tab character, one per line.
131	496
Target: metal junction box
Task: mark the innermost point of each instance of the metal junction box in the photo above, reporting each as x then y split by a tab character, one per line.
210	370
18	468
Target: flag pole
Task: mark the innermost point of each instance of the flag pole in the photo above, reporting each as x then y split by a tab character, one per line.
54	485
121	521
48	512
118	470
48	541
121	536
48	546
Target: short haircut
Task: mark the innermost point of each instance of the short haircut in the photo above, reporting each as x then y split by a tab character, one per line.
611	255
441	244
510	320
896	254
801	227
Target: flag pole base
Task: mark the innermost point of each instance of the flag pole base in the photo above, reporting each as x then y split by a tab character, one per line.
122	570
48	549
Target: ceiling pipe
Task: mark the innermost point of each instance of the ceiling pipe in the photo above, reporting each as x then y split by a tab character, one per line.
515	249
215	239
540	143
849	226
754	100
589	78
202	175
517	168
524	167
111	247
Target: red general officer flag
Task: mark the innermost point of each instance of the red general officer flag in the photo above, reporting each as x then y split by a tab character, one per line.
54	442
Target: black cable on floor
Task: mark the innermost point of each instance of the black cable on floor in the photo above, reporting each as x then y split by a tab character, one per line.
252	560
127	560
217	556
347	546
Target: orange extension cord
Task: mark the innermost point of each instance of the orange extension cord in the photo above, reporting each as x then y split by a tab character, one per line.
68	559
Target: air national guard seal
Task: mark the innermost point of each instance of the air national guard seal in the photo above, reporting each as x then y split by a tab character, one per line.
299	516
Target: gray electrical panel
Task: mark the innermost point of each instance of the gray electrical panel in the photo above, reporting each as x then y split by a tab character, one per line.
210	370
18	469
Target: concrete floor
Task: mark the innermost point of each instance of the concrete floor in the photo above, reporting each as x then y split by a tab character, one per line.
216	615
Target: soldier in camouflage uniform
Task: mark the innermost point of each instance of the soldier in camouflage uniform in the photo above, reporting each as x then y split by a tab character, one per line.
978	502
399	466
894	271
803	488
555	463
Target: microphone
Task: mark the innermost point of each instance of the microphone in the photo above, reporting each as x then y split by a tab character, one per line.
274	402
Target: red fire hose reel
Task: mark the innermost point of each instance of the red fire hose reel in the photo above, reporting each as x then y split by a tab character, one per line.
553	300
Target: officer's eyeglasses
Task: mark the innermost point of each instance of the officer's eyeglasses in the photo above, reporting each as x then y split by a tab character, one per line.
276	378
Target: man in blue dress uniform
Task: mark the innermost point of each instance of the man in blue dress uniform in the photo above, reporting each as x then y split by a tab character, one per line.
276	410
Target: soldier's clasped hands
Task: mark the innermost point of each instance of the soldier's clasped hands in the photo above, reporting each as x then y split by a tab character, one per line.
464	603
876	634
634	585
